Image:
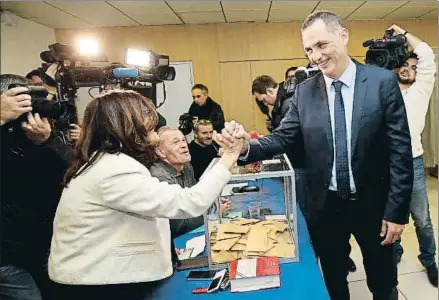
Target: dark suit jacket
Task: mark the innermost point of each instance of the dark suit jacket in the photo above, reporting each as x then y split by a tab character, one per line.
381	146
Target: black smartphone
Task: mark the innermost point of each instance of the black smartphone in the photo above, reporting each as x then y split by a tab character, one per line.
201	275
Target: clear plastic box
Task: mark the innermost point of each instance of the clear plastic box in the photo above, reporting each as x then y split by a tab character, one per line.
263	217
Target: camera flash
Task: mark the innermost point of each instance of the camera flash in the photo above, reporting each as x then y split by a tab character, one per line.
138	57
88	47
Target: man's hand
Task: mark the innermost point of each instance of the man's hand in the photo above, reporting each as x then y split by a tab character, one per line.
229	134
397	29
13	105
225	206
36	129
391	231
74	132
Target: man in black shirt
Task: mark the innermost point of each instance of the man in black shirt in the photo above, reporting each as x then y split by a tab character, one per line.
204	108
33	161
202	149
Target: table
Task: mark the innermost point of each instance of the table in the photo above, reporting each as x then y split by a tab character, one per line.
299	281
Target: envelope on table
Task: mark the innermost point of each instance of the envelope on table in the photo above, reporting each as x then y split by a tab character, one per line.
225	236
222	256
238	247
245	221
280	226
284	237
281	250
225	244
233	228
257	239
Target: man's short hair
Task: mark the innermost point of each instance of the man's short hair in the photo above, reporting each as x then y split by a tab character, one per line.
8	79
289	70
201	87
32	73
262	83
412	55
166	128
331	20
202	122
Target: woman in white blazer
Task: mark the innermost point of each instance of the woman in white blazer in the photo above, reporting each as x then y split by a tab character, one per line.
111	236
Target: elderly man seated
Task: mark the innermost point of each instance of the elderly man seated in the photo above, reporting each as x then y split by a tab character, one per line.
174	167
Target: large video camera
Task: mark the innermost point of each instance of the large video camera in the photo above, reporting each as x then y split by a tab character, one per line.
390	52
152	69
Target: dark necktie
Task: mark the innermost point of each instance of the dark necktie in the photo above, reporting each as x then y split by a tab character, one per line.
341	147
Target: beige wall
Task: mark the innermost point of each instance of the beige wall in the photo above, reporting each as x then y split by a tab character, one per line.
226	57
22	44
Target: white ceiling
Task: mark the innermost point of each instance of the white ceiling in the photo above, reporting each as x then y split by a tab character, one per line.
89	14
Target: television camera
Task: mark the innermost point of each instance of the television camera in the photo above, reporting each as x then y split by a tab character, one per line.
143	77
390	52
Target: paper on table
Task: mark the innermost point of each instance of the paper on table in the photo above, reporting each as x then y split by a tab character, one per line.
257	239
242	222
197	243
222	256
225	244
281	250
224	236
232	228
284	237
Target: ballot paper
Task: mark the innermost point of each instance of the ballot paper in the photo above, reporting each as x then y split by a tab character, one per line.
249	238
197	244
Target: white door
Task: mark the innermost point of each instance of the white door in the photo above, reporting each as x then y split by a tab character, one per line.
178	93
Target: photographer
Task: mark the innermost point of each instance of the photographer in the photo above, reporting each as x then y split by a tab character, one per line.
416	81
48	81
205	108
34	160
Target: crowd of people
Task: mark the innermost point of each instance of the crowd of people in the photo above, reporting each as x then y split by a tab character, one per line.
92	212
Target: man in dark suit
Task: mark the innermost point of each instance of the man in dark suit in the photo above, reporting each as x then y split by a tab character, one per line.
353	125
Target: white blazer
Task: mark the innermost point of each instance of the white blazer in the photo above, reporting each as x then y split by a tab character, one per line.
110	224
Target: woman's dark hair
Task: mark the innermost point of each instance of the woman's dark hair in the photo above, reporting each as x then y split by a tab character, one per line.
114	122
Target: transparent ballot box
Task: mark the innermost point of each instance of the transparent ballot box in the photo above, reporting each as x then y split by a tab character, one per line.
263	217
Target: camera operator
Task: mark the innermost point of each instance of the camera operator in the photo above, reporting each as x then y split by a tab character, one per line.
34	160
416	81
205	108
35	77
74	130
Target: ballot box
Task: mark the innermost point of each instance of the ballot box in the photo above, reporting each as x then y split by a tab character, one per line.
263	217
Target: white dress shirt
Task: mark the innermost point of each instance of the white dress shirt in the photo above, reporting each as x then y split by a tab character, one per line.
347	91
417	96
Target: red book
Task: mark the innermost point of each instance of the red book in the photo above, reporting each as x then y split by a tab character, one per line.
254	274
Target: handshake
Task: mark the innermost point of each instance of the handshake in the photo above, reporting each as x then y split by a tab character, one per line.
233	139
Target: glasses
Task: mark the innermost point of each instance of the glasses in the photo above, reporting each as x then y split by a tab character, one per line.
197	96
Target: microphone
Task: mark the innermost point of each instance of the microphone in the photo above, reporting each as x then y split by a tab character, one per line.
126	72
